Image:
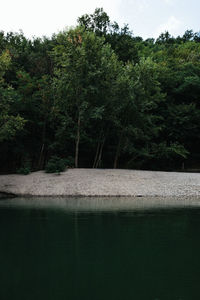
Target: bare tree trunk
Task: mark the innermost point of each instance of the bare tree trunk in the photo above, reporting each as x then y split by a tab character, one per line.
96	155
98	149
77	140
100	154
40	163
41	156
117	154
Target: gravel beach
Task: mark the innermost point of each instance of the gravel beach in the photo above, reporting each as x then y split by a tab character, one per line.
102	182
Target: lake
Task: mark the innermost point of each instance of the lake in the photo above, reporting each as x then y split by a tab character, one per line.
98	249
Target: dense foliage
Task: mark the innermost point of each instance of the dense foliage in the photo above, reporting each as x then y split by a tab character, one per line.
100	95
55	165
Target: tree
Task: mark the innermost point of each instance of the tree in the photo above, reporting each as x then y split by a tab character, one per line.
85	69
121	40
10	123
101	95
98	22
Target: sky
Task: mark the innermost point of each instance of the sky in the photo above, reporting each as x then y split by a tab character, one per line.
146	18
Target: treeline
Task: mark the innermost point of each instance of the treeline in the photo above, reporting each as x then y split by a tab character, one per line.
99	96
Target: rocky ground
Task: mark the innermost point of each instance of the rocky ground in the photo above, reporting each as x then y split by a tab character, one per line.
102	182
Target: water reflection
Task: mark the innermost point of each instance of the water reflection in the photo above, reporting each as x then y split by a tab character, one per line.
93	204
50	249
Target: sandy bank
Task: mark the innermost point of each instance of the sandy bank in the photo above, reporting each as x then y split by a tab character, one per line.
100	182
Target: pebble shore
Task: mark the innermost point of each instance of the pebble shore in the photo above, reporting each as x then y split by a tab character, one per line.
102	182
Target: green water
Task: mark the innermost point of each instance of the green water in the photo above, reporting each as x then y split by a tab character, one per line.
55	253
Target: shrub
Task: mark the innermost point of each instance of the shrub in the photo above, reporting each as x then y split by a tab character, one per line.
69	162
56	165
24	170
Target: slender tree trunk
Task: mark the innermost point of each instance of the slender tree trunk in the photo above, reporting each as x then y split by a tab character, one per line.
100	153
98	148
77	139
41	156
96	155
117	154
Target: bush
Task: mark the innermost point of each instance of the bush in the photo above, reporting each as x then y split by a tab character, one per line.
56	165
24	170
69	162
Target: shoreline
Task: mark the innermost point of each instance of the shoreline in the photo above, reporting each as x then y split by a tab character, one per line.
103	204
101	183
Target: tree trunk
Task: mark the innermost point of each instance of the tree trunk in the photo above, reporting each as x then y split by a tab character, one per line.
77	140
96	155
100	154
41	156
98	149
117	154
40	163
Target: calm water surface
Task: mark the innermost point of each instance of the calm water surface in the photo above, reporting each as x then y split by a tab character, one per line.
48	252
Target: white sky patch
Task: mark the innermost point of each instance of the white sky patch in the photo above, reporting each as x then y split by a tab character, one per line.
169	2
132	12
142	5
145	17
136	6
44	17
172	25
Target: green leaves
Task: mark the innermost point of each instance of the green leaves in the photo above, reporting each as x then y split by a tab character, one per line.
9	124
98	93
5	60
164	151
97	22
56	165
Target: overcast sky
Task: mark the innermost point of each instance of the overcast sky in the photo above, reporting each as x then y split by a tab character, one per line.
146	18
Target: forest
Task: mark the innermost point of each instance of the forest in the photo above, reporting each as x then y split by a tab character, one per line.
98	96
